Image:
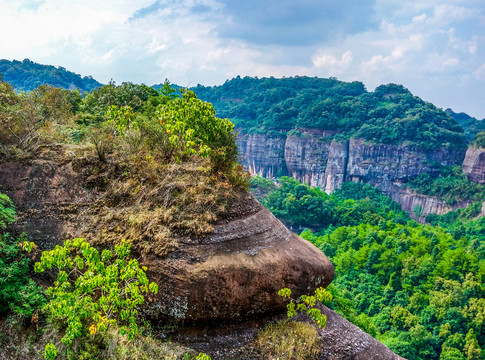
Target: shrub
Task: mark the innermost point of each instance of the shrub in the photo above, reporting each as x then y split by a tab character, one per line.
193	128
306	305
94	290
18	292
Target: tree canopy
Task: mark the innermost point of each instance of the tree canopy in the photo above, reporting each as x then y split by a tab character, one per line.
389	115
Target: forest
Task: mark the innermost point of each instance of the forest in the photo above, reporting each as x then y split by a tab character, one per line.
27	75
389	115
417	288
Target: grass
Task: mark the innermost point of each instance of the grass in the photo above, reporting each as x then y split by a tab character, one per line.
289	340
151	204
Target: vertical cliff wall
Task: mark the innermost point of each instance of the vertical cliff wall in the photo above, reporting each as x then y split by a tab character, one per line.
474	165
263	154
314	158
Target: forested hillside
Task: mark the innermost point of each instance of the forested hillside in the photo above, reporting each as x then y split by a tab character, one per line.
27	75
388	115
471	125
417	288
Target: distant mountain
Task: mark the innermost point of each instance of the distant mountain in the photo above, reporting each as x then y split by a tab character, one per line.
470	125
27	75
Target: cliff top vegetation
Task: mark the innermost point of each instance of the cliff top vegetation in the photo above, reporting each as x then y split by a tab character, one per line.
161	156
390	114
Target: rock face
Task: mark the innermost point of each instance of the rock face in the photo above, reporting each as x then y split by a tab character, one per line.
235	272
474	165
343	340
315	159
265	154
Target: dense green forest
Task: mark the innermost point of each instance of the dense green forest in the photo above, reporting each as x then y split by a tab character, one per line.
417	288
390	114
27	75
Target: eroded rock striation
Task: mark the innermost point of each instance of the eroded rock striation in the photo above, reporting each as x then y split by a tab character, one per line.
474	165
234	272
237	271
315	158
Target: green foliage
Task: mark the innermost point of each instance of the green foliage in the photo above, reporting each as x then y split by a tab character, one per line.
193	128
27	75
203	356
451	185
390	114
94	290
306	305
18	292
28	120
417	288
120	118
470	125
94	105
479	140
300	204
50	352
420	286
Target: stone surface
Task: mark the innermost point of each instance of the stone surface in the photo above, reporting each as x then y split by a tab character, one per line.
235	272
306	157
343	340
263	154
474	165
316	160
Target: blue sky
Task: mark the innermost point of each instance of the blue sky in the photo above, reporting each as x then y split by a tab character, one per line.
436	48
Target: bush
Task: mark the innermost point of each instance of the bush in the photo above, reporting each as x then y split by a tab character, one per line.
193	128
18	292
94	290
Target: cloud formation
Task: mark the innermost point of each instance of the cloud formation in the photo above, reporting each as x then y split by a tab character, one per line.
436	48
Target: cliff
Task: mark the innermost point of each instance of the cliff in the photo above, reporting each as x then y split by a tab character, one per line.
230	271
314	158
474	165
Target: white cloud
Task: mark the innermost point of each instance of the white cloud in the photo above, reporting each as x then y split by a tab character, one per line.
480	72
430	46
332	65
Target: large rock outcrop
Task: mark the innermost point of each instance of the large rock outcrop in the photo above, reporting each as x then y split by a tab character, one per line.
474	165
237	271
313	157
234	272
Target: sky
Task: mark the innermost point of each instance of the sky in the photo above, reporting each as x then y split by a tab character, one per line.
435	48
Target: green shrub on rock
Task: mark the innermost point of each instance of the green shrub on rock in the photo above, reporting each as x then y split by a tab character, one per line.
94	290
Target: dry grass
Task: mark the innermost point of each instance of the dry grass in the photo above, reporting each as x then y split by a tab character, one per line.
289	340
152	204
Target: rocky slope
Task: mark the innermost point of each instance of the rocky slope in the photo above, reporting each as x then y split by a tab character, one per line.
313	157
232	273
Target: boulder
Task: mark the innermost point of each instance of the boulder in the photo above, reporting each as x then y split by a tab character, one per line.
237	271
